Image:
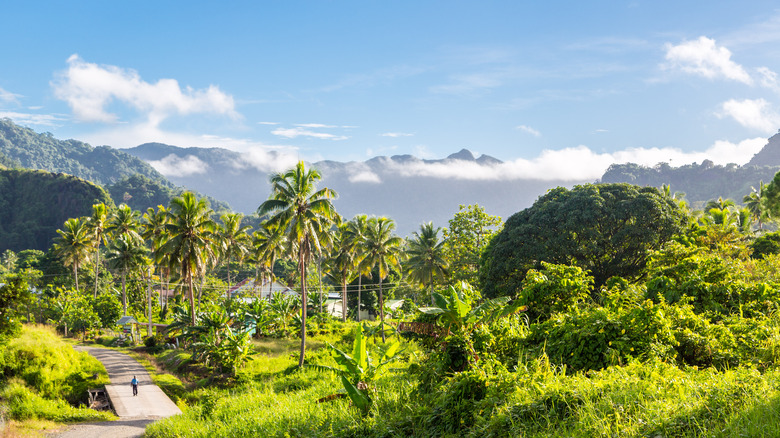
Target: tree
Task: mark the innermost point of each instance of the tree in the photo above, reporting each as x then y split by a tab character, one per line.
190	236
426	260
756	203
8	260
305	215
606	229
13	293
381	249
126	253
97	224
340	267
355	236
125	221
234	240
154	223
73	245
267	244
468	234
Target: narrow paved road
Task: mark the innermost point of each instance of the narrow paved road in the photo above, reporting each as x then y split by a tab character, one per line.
134	412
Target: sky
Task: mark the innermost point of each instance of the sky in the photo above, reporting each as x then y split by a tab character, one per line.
556	90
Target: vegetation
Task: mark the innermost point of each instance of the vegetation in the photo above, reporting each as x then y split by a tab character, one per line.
604	310
606	229
33	204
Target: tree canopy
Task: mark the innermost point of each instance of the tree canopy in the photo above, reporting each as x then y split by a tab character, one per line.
606	229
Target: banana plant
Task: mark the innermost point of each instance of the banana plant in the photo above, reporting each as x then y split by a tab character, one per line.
358	371
457	314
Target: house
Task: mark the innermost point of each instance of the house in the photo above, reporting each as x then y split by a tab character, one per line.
249	289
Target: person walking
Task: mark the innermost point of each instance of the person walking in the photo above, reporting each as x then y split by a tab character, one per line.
134	383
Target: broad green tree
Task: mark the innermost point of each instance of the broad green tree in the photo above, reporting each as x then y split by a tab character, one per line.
190	233
305	215
381	250
467	236
426	262
8	260
73	245
607	229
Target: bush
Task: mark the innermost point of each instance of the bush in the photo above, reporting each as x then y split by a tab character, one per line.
25	404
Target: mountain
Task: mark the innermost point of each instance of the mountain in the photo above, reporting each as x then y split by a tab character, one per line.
127	178
35	203
705	181
397	186
769	155
102	165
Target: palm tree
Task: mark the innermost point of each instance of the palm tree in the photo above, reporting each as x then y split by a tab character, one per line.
756	204
123	221
340	268
126	253
190	237
234	240
267	244
154	231
304	214
354	236
426	257
381	249
73	245
97	224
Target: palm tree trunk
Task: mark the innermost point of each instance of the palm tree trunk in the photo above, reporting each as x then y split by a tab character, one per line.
149	305
382	309
76	275
97	265
124	295
360	286
302	266
344	299
319	273
191	295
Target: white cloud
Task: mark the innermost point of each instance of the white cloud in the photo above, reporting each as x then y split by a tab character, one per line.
769	79
361	173
173	165
752	113
704	58
578	163
301	132
33	119
395	134
88	88
530	130
315	125
8	97
267	123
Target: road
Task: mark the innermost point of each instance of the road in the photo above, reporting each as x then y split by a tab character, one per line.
135	412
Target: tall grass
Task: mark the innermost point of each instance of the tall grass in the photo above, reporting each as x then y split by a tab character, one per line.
43	377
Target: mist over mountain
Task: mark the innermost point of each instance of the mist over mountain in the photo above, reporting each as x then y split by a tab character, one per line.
405	188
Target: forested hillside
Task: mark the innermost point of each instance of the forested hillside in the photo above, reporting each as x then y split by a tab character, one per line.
34	204
700	182
102	165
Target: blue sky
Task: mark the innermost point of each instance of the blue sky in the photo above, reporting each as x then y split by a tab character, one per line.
555	89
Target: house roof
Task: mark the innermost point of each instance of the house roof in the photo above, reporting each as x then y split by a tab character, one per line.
127	319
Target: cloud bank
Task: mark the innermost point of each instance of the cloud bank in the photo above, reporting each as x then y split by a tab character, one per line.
569	164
